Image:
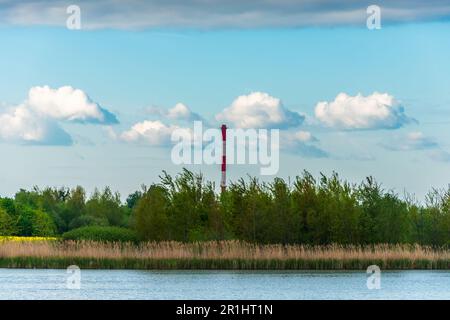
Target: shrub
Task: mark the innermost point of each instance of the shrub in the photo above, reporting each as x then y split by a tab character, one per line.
85	220
99	233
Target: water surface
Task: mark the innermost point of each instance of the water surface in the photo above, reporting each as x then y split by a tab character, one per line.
136	284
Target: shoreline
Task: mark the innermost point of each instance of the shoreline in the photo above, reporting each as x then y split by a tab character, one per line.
218	255
217	264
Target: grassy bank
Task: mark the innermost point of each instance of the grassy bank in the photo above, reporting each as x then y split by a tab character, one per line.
216	255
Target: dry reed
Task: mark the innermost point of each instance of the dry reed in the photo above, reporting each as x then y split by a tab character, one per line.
218	255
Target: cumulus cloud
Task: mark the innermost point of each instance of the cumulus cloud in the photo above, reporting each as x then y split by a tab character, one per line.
68	104
376	111
37	120
259	110
300	136
134	14
154	133
20	125
179	112
159	134
301	143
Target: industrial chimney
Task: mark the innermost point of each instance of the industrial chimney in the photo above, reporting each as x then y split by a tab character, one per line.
223	182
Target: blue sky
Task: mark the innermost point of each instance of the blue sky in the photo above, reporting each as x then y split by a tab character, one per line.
129	72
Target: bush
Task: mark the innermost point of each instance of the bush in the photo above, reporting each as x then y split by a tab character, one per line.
99	233
85	220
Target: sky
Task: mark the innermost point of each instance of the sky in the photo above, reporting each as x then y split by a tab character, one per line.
96	106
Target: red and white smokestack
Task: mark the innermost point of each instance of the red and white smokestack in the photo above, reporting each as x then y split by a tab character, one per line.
223	182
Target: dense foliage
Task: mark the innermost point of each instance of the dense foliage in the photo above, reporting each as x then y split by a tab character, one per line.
188	208
100	233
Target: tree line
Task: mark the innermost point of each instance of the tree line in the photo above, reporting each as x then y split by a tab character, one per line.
187	207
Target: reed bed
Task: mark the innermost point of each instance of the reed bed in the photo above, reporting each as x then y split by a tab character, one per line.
217	255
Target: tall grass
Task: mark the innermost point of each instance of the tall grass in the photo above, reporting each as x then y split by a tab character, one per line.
217	255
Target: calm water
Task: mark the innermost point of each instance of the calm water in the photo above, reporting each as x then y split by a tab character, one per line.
132	284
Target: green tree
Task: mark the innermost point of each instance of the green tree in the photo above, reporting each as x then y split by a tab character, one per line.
75	206
151	220
305	202
184	195
7	224
106	206
34	222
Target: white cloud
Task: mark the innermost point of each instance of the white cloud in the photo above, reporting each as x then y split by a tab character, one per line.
300	136
68	104
37	119
154	133
301	143
182	112
376	111
259	110
20	125
179	112
134	14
